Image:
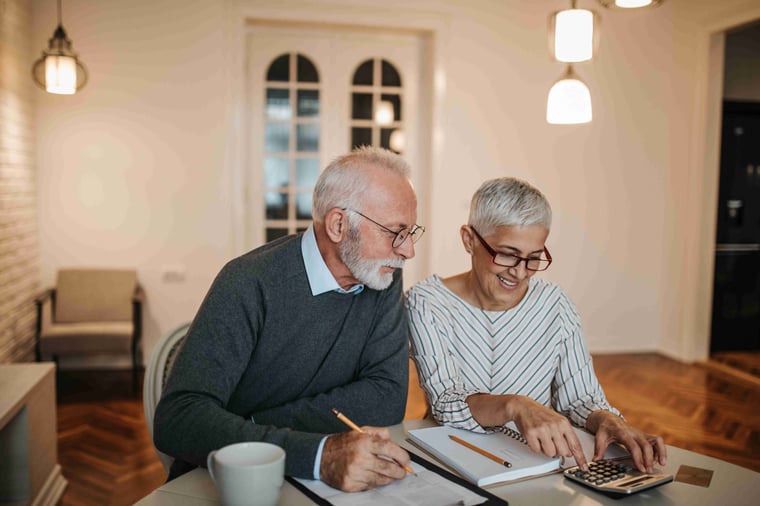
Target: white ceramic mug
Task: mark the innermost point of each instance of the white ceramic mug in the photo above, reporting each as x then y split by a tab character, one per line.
248	473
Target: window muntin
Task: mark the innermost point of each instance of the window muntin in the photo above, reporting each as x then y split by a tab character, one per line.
291	143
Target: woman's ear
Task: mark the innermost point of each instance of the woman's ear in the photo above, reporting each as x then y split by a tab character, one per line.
336	224
467	238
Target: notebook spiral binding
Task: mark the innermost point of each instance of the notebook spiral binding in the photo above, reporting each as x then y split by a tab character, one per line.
509	431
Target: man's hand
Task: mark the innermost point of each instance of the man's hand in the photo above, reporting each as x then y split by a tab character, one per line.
645	449
352	461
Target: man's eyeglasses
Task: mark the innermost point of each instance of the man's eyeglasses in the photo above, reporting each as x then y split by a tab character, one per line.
509	260
415	231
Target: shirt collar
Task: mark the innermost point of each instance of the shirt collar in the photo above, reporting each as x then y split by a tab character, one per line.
320	278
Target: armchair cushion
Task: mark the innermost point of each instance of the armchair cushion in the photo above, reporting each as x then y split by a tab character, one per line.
91	338
94	295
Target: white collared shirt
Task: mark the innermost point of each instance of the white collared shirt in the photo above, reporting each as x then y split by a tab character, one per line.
321	279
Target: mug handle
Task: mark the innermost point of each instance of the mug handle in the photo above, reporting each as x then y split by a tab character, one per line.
210	464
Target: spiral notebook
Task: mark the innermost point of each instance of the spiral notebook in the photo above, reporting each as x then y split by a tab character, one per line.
509	446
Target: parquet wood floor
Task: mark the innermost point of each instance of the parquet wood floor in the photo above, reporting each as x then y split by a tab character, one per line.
108	459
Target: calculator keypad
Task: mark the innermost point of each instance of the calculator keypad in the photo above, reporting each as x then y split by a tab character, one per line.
616	477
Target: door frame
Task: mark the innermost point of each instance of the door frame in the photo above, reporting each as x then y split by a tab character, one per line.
432	29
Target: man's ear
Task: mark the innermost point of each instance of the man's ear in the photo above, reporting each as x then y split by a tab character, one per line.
467	238
336	224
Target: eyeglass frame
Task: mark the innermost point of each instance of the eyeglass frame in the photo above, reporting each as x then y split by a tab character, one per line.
397	233
520	259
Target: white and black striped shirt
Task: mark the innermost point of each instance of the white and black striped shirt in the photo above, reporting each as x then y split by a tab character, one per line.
534	349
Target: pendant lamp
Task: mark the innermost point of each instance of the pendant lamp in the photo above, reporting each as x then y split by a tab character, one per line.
59	70
573	34
630	4
569	101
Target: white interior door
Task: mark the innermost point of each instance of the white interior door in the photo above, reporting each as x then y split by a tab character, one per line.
316	117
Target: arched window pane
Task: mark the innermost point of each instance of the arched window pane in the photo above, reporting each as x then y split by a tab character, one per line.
276	205
277	137
307	137
361	137
276	233
276	172
279	70
278	104
307	72
303	206
308	103
362	106
291	161
363	74
307	172
385	137
390	74
375	94
395	99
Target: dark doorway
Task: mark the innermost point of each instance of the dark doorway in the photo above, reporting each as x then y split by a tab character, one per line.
736	288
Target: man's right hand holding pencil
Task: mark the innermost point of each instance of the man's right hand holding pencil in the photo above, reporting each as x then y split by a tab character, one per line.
359	460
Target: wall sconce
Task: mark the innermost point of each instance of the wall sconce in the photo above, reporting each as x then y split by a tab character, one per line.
59	69
573	34
384	115
569	101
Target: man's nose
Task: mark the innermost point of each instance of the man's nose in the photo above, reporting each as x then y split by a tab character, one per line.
406	249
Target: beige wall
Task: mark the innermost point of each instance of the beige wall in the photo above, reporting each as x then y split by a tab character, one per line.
141	167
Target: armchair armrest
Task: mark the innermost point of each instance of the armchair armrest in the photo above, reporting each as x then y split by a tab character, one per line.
44	295
43	313
139	295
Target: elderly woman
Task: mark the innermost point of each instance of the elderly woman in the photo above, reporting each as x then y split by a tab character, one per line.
494	344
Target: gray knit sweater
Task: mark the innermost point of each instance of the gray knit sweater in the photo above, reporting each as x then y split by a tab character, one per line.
262	347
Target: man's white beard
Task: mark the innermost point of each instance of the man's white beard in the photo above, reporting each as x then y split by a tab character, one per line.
366	271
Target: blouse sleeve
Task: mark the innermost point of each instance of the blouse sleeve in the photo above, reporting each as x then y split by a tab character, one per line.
438	372
576	389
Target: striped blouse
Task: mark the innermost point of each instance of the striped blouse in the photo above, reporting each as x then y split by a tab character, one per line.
535	349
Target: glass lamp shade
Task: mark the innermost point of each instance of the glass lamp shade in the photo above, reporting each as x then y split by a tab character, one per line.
384	113
629	4
573	35
397	141
59	70
569	101
61	75
632	4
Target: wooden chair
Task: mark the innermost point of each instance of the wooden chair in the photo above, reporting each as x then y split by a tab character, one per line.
91	311
156	373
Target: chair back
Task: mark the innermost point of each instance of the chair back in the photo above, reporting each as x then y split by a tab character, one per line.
94	295
156	372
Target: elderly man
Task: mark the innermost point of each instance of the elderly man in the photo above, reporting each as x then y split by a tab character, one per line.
304	324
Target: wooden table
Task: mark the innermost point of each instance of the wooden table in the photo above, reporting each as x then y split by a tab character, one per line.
731	485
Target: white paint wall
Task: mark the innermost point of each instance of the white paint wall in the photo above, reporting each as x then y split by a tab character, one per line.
138	169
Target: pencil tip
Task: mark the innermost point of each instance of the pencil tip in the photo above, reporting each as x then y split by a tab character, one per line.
335	411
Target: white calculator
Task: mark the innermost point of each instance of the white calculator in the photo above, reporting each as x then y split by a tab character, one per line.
616	477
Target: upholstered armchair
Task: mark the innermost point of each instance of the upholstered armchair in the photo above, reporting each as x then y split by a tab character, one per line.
89	312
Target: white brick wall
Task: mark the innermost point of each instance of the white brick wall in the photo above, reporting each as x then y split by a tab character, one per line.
19	249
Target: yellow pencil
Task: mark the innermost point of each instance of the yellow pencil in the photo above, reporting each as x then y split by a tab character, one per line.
481	451
343	418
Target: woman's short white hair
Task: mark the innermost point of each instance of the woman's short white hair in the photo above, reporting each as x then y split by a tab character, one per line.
345	182
508	201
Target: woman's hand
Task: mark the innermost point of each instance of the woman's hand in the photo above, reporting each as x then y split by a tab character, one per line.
545	430
645	449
